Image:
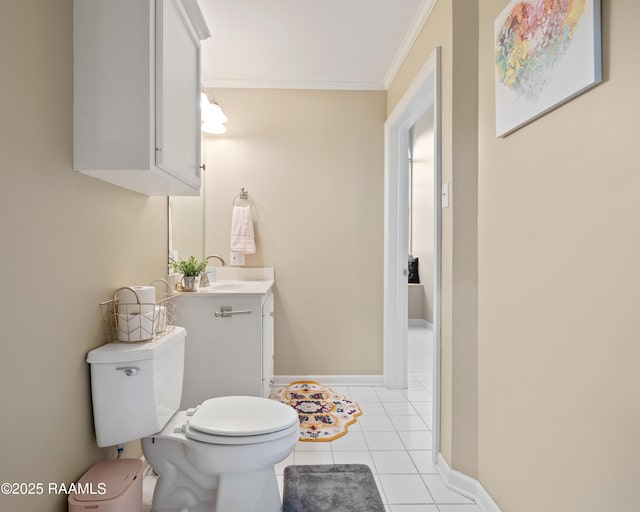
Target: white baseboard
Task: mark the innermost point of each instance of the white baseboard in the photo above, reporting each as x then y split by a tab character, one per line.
331	380
465	485
485	502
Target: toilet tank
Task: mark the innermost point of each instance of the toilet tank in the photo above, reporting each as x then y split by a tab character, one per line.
136	387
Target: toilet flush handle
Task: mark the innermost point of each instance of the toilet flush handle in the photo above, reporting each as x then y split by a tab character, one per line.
129	371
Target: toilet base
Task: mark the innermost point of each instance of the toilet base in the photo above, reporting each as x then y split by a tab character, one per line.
232	494
257	490
190	480
178	487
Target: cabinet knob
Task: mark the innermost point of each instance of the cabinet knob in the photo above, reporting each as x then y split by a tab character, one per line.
203	167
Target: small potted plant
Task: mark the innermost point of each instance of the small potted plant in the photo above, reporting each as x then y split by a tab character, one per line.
190	270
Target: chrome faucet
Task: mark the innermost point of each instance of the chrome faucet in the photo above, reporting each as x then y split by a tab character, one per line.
224	263
204	278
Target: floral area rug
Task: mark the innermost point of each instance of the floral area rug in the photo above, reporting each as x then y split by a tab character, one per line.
324	415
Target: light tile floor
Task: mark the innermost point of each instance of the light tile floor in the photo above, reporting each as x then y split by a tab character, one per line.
393	437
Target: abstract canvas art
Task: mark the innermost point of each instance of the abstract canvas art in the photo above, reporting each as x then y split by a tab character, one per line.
546	53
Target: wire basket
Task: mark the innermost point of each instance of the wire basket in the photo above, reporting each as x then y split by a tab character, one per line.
139	321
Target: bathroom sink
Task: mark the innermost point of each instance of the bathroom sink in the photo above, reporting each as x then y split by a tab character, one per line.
231	285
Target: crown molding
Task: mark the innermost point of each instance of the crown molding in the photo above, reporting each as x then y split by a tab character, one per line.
409	39
197	19
294	84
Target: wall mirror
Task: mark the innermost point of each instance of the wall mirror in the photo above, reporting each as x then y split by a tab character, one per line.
186	220
186	226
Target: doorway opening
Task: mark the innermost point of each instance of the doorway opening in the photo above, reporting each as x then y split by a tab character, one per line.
421	96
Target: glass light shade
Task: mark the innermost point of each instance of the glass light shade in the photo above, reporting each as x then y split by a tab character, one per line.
218	114
213	127
212	116
206	108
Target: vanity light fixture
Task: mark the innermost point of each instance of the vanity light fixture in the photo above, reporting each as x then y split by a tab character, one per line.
212	116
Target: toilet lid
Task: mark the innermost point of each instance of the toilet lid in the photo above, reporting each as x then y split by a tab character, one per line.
242	416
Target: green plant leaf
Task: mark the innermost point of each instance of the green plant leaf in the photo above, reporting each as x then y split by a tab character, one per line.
190	267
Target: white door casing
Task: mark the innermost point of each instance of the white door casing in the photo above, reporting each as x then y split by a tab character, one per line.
423	93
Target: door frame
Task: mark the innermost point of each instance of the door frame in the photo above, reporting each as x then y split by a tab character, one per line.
424	92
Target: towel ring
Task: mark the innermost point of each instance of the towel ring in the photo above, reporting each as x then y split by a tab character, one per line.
242	196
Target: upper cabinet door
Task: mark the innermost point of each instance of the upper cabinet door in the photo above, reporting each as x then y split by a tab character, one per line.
177	93
136	115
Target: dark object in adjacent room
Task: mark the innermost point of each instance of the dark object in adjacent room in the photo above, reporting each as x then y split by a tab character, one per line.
414	277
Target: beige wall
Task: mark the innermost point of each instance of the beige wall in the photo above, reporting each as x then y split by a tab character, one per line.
559	245
313	163
453	27
68	241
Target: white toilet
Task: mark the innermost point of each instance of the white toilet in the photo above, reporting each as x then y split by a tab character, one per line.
219	456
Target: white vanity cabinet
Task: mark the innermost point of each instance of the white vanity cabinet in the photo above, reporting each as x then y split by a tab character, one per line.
229	345
136	120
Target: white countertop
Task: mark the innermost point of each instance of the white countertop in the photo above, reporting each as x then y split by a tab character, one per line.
238	281
234	287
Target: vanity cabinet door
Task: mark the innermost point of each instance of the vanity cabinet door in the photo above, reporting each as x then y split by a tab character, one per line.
267	345
223	354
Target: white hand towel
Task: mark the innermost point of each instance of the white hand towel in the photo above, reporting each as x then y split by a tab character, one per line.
242	239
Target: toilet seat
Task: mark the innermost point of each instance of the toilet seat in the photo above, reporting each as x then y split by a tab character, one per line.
241	420
195	435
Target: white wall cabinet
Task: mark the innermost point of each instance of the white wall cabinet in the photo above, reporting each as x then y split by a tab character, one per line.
137	93
226	355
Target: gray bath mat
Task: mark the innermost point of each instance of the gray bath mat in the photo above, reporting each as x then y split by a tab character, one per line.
330	488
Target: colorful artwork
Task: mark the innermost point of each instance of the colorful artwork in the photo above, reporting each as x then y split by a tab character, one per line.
547	51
